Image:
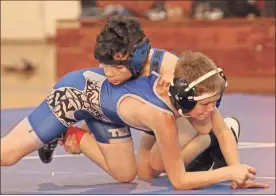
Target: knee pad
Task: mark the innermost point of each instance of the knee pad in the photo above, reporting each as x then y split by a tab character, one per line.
78	132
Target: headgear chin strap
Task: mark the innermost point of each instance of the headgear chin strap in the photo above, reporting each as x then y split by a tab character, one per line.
136	60
183	94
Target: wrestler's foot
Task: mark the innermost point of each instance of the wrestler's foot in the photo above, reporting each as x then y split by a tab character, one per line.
46	152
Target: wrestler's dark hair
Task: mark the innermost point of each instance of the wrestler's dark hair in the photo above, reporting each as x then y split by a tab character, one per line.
119	35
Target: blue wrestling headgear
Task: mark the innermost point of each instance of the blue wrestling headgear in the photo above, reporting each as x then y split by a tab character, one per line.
183	94
136	60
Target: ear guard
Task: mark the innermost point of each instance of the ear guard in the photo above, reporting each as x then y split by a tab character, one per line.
136	60
183	94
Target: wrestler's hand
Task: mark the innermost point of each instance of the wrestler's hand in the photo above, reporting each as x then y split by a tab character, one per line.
165	80
241	173
70	144
248	185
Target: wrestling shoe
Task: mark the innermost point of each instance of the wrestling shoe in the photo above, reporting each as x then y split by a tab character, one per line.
46	152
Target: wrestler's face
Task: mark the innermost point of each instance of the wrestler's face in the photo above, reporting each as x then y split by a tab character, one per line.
117	74
204	108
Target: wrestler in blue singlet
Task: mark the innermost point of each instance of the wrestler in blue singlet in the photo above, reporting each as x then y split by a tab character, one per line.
87	95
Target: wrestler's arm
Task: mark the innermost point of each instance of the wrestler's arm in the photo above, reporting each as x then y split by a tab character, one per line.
229	148
167	69
226	139
167	139
224	136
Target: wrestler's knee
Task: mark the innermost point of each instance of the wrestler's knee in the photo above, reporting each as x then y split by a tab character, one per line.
148	174
156	163
124	169
126	176
116	146
143	176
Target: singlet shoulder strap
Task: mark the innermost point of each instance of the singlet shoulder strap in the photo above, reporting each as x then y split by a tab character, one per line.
156	60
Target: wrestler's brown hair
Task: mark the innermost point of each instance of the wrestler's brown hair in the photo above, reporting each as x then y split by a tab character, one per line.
193	65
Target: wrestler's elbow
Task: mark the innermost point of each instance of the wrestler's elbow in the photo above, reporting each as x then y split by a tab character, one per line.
181	183
181	186
176	183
